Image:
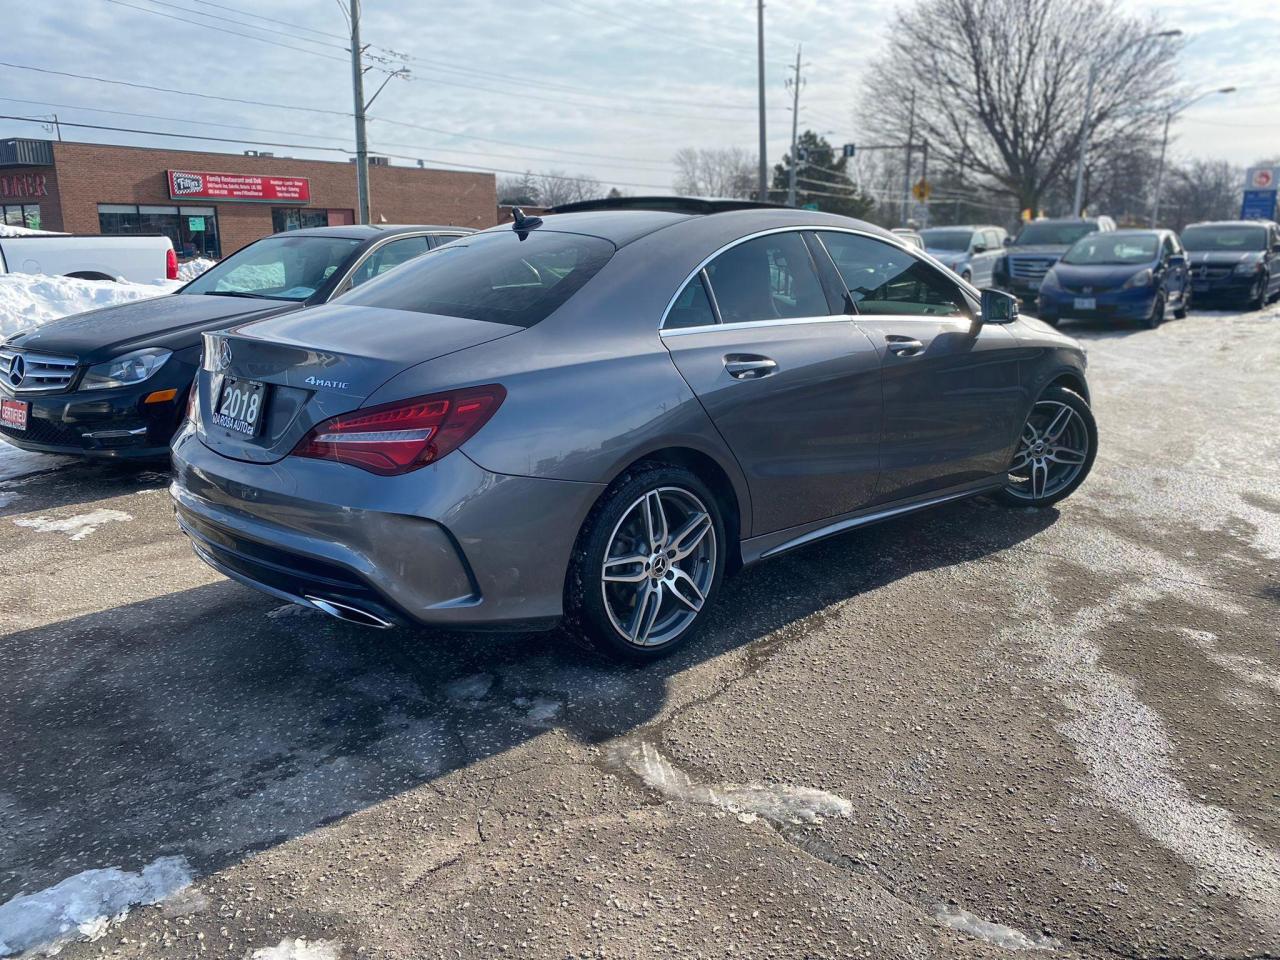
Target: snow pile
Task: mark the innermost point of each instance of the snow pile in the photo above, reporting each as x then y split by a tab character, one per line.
777	802
997	933
193	268
77	527
83	906
29	300
299	949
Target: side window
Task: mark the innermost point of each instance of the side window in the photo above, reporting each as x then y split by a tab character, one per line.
884	279
440	239
991	239
1167	250
692	308
388	257
768	278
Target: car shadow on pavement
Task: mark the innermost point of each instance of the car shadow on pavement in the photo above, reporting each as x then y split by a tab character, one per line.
80	483
213	722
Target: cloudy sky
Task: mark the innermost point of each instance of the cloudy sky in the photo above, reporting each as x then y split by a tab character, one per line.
610	88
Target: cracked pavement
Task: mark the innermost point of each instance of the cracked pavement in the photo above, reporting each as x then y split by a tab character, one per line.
1062	723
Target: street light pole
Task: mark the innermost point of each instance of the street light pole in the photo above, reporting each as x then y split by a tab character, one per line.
1078	204
764	162
1164	143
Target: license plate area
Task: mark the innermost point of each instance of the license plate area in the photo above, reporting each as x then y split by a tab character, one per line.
239	406
13	413
1086	303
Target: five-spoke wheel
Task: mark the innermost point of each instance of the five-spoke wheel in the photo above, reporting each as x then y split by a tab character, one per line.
650	561
1055	451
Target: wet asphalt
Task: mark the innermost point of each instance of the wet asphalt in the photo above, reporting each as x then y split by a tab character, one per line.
972	730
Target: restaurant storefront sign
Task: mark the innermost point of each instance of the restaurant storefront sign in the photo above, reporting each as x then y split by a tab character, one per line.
24	185
237	187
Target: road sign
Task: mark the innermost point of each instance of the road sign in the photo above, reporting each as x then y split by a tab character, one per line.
809	206
1262	178
848	150
922	190
1258	205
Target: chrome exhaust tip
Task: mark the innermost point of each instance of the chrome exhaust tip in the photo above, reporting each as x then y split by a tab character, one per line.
344	611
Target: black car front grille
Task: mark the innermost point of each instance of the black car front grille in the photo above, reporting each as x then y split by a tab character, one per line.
46	433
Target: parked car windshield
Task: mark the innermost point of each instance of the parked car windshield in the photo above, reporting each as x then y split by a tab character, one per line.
497	277
954	240
1231	239
278	268
1053	234
1112	248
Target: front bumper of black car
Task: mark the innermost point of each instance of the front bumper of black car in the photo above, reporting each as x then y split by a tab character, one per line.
135	422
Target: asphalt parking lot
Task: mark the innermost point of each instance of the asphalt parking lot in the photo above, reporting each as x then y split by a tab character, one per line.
955	735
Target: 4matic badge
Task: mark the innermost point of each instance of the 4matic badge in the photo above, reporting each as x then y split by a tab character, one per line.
328	384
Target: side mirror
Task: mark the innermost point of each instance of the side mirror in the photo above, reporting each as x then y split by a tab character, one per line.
998	306
979	248
1008	241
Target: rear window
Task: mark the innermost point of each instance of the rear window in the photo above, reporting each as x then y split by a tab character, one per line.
1054	234
497	277
1228	239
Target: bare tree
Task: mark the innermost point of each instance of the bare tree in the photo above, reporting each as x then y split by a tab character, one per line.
1201	190
716	172
998	86
521	190
556	187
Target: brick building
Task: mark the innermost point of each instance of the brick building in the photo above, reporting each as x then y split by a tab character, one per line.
211	204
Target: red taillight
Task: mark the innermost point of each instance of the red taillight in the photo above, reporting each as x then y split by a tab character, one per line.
170	265
398	437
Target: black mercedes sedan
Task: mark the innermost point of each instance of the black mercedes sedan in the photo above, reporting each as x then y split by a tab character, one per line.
114	382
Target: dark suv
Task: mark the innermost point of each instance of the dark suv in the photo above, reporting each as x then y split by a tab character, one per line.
1234	260
1038	246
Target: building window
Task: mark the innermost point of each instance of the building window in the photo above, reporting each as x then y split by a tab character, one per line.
20	215
193	230
297	218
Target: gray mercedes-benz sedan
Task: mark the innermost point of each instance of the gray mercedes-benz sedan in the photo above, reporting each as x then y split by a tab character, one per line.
595	417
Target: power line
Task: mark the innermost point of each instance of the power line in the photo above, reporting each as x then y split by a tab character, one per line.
292	34
236	33
258	16
298	107
184	93
443	164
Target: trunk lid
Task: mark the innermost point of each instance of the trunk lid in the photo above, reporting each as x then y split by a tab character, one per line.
319	363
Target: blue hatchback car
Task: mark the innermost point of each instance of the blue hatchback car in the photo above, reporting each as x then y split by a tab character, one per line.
1126	275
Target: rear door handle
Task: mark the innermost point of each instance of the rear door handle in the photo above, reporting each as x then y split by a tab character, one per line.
749	366
905	346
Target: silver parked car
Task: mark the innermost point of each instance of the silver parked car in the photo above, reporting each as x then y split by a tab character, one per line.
596	417
971	251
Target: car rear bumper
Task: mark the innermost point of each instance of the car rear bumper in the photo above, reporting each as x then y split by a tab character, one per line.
450	545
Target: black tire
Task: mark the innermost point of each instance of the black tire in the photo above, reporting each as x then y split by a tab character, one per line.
587	614
1156	316
1184	305
1014	494
1259	299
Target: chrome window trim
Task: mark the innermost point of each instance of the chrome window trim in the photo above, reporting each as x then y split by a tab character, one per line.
342	287
752	324
711	296
801	229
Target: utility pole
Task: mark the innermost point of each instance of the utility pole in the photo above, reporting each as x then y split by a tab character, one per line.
362	141
764	162
906	172
794	83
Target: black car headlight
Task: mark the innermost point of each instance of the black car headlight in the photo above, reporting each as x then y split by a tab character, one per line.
1248	267
126	370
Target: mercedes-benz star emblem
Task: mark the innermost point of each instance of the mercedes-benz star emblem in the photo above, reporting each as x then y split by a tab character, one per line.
17	369
224	355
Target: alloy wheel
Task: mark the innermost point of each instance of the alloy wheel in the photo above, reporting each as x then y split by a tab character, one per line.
1051	453
659	566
